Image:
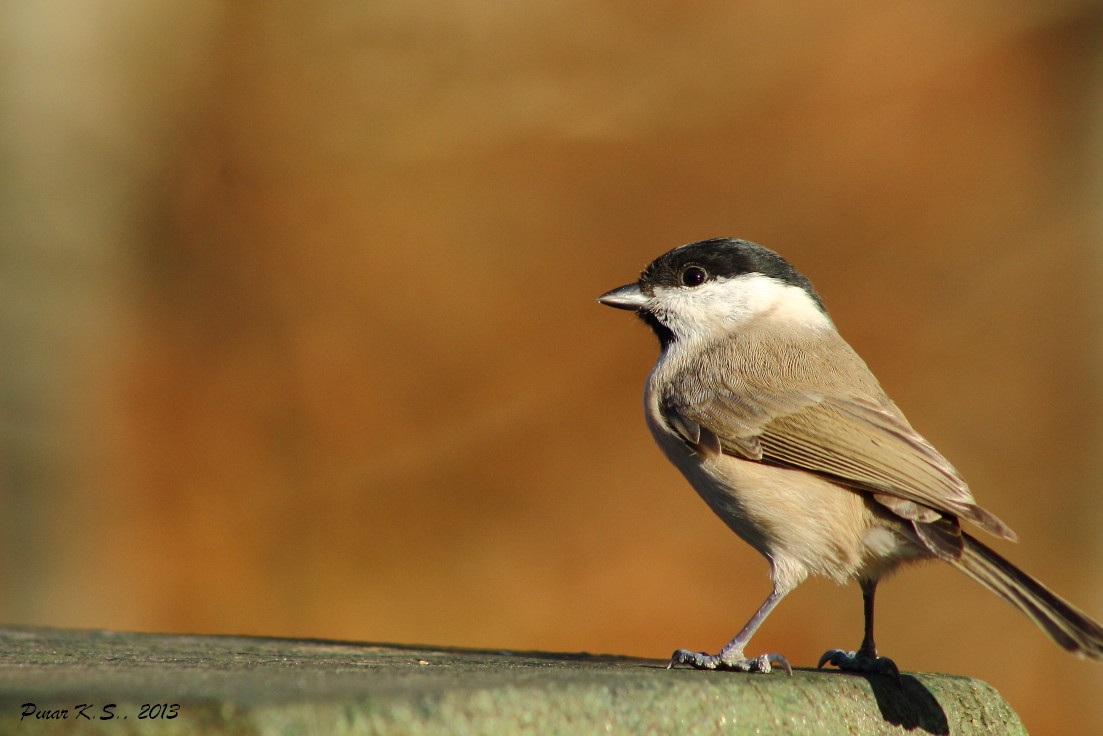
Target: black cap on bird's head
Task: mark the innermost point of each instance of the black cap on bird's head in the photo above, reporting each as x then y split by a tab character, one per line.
722	258
694	264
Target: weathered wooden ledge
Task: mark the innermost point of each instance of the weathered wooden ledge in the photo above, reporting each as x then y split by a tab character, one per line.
173	684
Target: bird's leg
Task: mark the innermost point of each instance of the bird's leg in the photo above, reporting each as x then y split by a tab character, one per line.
731	656
865	659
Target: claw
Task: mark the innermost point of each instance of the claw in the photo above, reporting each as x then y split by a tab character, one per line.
778	660
734	661
698	660
834	656
861	662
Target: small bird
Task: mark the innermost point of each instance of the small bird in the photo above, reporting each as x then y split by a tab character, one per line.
787	436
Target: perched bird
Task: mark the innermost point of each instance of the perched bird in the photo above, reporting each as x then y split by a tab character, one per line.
786	434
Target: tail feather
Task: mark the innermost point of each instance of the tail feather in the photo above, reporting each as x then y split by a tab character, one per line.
1071	628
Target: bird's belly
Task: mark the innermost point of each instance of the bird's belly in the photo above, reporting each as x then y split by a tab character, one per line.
797	519
801	523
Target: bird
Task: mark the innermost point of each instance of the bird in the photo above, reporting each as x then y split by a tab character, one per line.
786	434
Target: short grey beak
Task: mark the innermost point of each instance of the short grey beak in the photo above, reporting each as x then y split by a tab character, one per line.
628	296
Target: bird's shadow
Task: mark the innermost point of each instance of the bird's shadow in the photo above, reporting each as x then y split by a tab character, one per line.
907	703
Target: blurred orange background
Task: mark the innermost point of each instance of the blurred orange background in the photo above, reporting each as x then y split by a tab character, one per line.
299	334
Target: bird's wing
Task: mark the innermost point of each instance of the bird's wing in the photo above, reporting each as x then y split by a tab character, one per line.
855	440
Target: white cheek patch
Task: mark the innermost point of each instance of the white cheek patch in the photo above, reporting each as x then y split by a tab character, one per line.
717	306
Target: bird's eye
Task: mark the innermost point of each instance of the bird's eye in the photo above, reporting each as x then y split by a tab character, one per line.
694	276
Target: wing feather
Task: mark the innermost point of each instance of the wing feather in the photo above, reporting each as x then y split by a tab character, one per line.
855	437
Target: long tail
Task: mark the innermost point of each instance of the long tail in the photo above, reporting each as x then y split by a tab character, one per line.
1063	622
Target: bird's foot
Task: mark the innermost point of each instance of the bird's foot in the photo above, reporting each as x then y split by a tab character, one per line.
861	662
734	661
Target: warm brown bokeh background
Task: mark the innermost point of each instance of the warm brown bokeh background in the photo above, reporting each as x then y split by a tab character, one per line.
298	330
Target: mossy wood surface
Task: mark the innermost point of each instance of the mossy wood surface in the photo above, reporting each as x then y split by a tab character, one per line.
173	684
